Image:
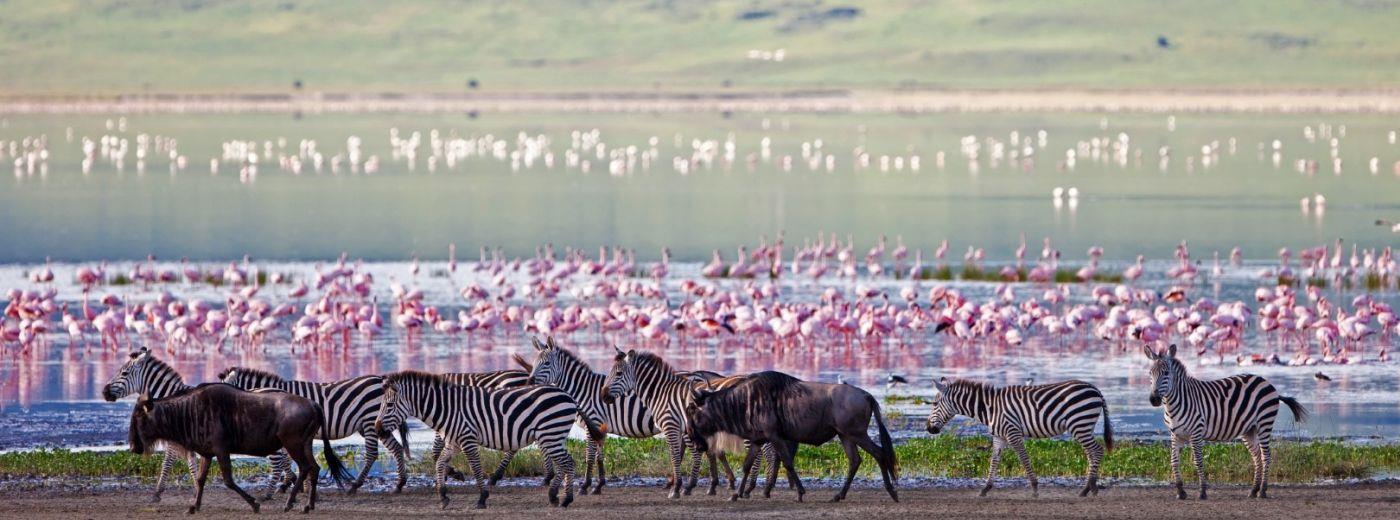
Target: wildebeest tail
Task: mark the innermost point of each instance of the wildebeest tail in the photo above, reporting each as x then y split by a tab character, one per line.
1107	430
886	444
1300	414
519	360
333	464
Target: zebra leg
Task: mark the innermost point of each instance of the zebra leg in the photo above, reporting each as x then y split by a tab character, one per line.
564	464
165	466
695	459
501	469
474	460
371	455
590	452
288	477
1177	445
274	474
676	444
1094	453
438	443
201	475
1265	460
1018	444
602	476
993	465
1252	444
400	457
440	476
1198	452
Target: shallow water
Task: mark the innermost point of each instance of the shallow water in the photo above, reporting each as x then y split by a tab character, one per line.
49	397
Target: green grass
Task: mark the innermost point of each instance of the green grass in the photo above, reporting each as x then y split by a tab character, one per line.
109	46
941	456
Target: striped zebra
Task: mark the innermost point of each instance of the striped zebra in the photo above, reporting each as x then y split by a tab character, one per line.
1014	413
351	406
494	379
1240	407
144	374
507	419
665	393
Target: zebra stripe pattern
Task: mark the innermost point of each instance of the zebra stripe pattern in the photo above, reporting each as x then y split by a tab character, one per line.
666	394
144	374
1015	413
506	419
350	406
495	379
1240	407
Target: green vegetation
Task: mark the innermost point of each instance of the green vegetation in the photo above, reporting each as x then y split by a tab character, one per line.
941	456
110	46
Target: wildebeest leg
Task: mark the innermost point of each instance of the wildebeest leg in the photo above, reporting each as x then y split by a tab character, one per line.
714	472
786	450
748	472
501	468
307	471
886	473
853	464
226	467
201	475
728	471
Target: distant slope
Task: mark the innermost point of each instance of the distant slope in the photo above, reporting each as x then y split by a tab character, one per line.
107	46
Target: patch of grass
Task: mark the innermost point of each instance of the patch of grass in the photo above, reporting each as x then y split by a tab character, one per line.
973	272
1374	282
1315	281
946	455
942	272
119	280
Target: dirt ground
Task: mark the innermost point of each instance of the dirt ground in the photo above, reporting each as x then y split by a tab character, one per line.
1353	501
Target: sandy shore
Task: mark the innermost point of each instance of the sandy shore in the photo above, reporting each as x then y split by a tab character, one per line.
1359	501
795	101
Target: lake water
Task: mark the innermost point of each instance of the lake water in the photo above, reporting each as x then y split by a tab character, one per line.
1130	204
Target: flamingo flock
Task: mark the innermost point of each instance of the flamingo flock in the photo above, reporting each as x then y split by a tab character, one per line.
817	295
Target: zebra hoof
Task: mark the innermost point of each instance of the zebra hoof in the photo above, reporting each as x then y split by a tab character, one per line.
155	499
481	505
1203	495
307	509
191	510
597	490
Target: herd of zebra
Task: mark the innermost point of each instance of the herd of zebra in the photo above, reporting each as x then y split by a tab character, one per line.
767	414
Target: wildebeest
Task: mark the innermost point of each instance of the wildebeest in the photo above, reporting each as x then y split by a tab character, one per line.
773	407
217	420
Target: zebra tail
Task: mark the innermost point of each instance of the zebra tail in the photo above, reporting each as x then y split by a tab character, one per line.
596	431
1107	430
403	438
886	444
519	360
333	464
1300	414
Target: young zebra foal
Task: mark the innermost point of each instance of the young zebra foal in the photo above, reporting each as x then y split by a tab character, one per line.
1014	413
1240	407
506	419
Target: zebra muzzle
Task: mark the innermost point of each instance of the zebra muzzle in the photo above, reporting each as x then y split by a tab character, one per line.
1155	399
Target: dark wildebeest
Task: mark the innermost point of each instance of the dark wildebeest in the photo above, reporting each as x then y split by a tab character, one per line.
776	408
217	420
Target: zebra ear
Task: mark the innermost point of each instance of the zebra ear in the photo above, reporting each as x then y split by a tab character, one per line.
1171	351
1151	353
632	354
536	343
941	384
550	342
620	354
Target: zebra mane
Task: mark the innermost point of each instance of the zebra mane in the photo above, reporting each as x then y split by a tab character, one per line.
569	355
650	361
970	384
157	365
416	376
254	372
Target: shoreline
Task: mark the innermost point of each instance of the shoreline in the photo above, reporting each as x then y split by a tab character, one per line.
814	101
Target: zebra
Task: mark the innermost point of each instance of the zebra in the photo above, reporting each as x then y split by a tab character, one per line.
1014	413
665	393
144	374
507	419
351	406
1240	407
494	379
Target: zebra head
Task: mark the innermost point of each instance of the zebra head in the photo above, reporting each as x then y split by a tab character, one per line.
394	405
250	378
548	368
944	406
1165	370
133	376
622	379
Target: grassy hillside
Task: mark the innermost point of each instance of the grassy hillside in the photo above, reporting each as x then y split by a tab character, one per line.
106	46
